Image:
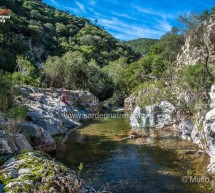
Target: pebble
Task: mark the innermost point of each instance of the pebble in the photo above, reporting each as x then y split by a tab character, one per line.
132	137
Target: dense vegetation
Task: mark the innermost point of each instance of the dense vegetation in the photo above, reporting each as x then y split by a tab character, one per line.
156	64
73	50
43	46
141	45
156	77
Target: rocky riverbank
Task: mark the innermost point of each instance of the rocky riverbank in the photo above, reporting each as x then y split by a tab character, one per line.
200	130
47	116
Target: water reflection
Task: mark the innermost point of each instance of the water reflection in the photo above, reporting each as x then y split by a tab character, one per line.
151	165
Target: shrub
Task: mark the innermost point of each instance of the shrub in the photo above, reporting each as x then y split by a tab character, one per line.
72	71
20	79
192	83
196	77
15	115
6	90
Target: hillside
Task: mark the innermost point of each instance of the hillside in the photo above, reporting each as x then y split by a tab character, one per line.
141	45
36	32
41	30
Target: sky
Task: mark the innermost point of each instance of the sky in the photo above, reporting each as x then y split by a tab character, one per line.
132	19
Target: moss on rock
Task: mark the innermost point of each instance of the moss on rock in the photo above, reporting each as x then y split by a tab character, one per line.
37	172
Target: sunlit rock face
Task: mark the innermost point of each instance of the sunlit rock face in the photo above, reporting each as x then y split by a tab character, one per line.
47	116
130	104
47	111
153	116
212	96
191	54
200	129
209	131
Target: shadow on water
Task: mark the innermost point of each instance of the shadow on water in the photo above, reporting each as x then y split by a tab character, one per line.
130	166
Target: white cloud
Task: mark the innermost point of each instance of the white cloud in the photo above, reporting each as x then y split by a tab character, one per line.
162	14
81	6
74	10
94	12
55	3
162	25
143	22
126	31
92	2
122	15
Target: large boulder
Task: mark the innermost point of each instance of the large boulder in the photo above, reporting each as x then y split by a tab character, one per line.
130	104
153	116
185	128
34	172
52	125
47	116
38	137
11	143
48	111
209	133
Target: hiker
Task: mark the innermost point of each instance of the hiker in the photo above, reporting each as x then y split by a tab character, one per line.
64	99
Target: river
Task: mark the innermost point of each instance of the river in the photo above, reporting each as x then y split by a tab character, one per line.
114	162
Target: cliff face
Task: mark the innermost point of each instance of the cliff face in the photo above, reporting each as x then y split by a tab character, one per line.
208	133
199	51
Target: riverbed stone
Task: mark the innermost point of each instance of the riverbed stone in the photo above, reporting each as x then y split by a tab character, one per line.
9	162
153	116
39	138
24	171
185	128
47	116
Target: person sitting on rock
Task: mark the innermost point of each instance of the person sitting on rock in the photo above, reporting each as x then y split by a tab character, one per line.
64	99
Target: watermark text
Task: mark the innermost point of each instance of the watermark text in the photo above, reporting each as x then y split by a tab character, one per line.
197	179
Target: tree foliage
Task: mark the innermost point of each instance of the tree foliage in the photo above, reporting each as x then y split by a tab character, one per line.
74	49
156	64
141	45
73	71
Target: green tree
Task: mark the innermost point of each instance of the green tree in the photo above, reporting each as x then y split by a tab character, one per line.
25	66
54	71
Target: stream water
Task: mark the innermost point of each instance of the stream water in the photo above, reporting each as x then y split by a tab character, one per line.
147	165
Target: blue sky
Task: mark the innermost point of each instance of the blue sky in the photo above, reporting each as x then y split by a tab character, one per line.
132	19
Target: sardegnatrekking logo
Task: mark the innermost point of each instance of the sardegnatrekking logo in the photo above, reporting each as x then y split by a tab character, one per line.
4	15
